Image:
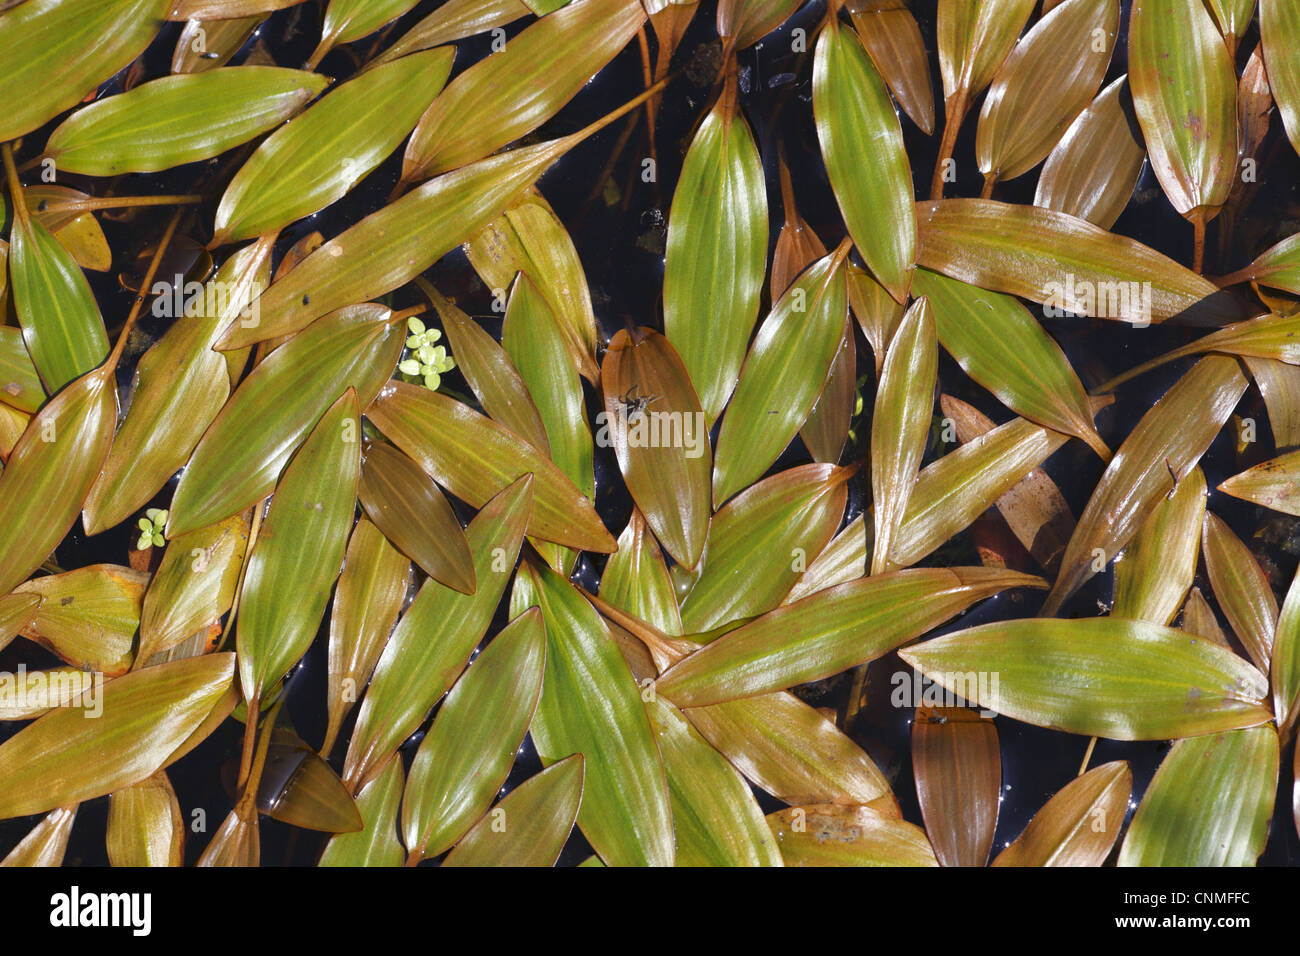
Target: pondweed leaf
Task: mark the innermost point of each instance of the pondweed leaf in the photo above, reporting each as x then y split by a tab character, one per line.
717	251
474	458
299	788
958	770
367	600
303	540
829	632
376	843
1279	31
893	40
179	119
1209	803
240	456
833	835
1000	345
636	579
88	616
841	561
454	20
1166	444
1233	17
899	424
47	843
654	421
1092	171
1107	677
467	753
297	170
50	471
505	96
742	23
1284	668
145	826
64	758
1063	833
1158	565
875	309
224	9
348	20
20	385
209	44
72	46
1048	78
783	375
862	144
540	813
434	639
1241	587
1274	484
406	505
1199	619
16	612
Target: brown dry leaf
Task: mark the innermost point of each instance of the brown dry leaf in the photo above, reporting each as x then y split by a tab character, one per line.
958	770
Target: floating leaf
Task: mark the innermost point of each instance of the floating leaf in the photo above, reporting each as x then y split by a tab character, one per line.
64	758
841	561
510	94
1093	169
829	632
876	311
862	144
1279	31
1241	588
47	843
742	23
50	471
1209	804
893	40
367	600
1198	618
466	755
1158	565
591	705
376	844
224	9
899	423
474	458
145	826
348	20
717	251
1046	81
20	385
298	171
1079	825
73	47
88	616
303	539
241	455
958	770
179	119
775	393
1166	444
1108	677
16	613
299	788
435	637
408	508
455	20
1065	263
636	579
833	835
530	826
654	421
209	44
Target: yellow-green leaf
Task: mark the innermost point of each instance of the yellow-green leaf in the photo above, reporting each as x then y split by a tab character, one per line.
1158	565
1079	825
376	844
833	835
145	825
1241	587
88	616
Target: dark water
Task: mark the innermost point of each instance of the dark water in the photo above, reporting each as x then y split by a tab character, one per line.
621	248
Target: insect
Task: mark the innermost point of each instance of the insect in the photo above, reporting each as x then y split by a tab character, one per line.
634	404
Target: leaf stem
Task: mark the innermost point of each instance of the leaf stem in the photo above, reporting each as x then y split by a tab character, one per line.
954	112
119	202
141	295
15	187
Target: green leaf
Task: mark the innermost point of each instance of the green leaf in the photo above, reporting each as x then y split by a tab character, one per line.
900	422
16	613
367	600
20	385
1065	263
62	326
653	419
841	561
636	579
64	758
742	23
783	375
241	455
179	387
1166	444
862	144
408	508
716	820
474	458
763	537
210	44
50	471
1209	804
308	164
591	705
435	638
717	252
376	844
536	819
47	843
348	20
833	835
302	541
88	616
1241	588
454	20
511	93
829	632
1274	484
1001	345
72	46
1158	565
1079	825
1279	32
467	754
179	119
145	825
1107	677
1185	96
